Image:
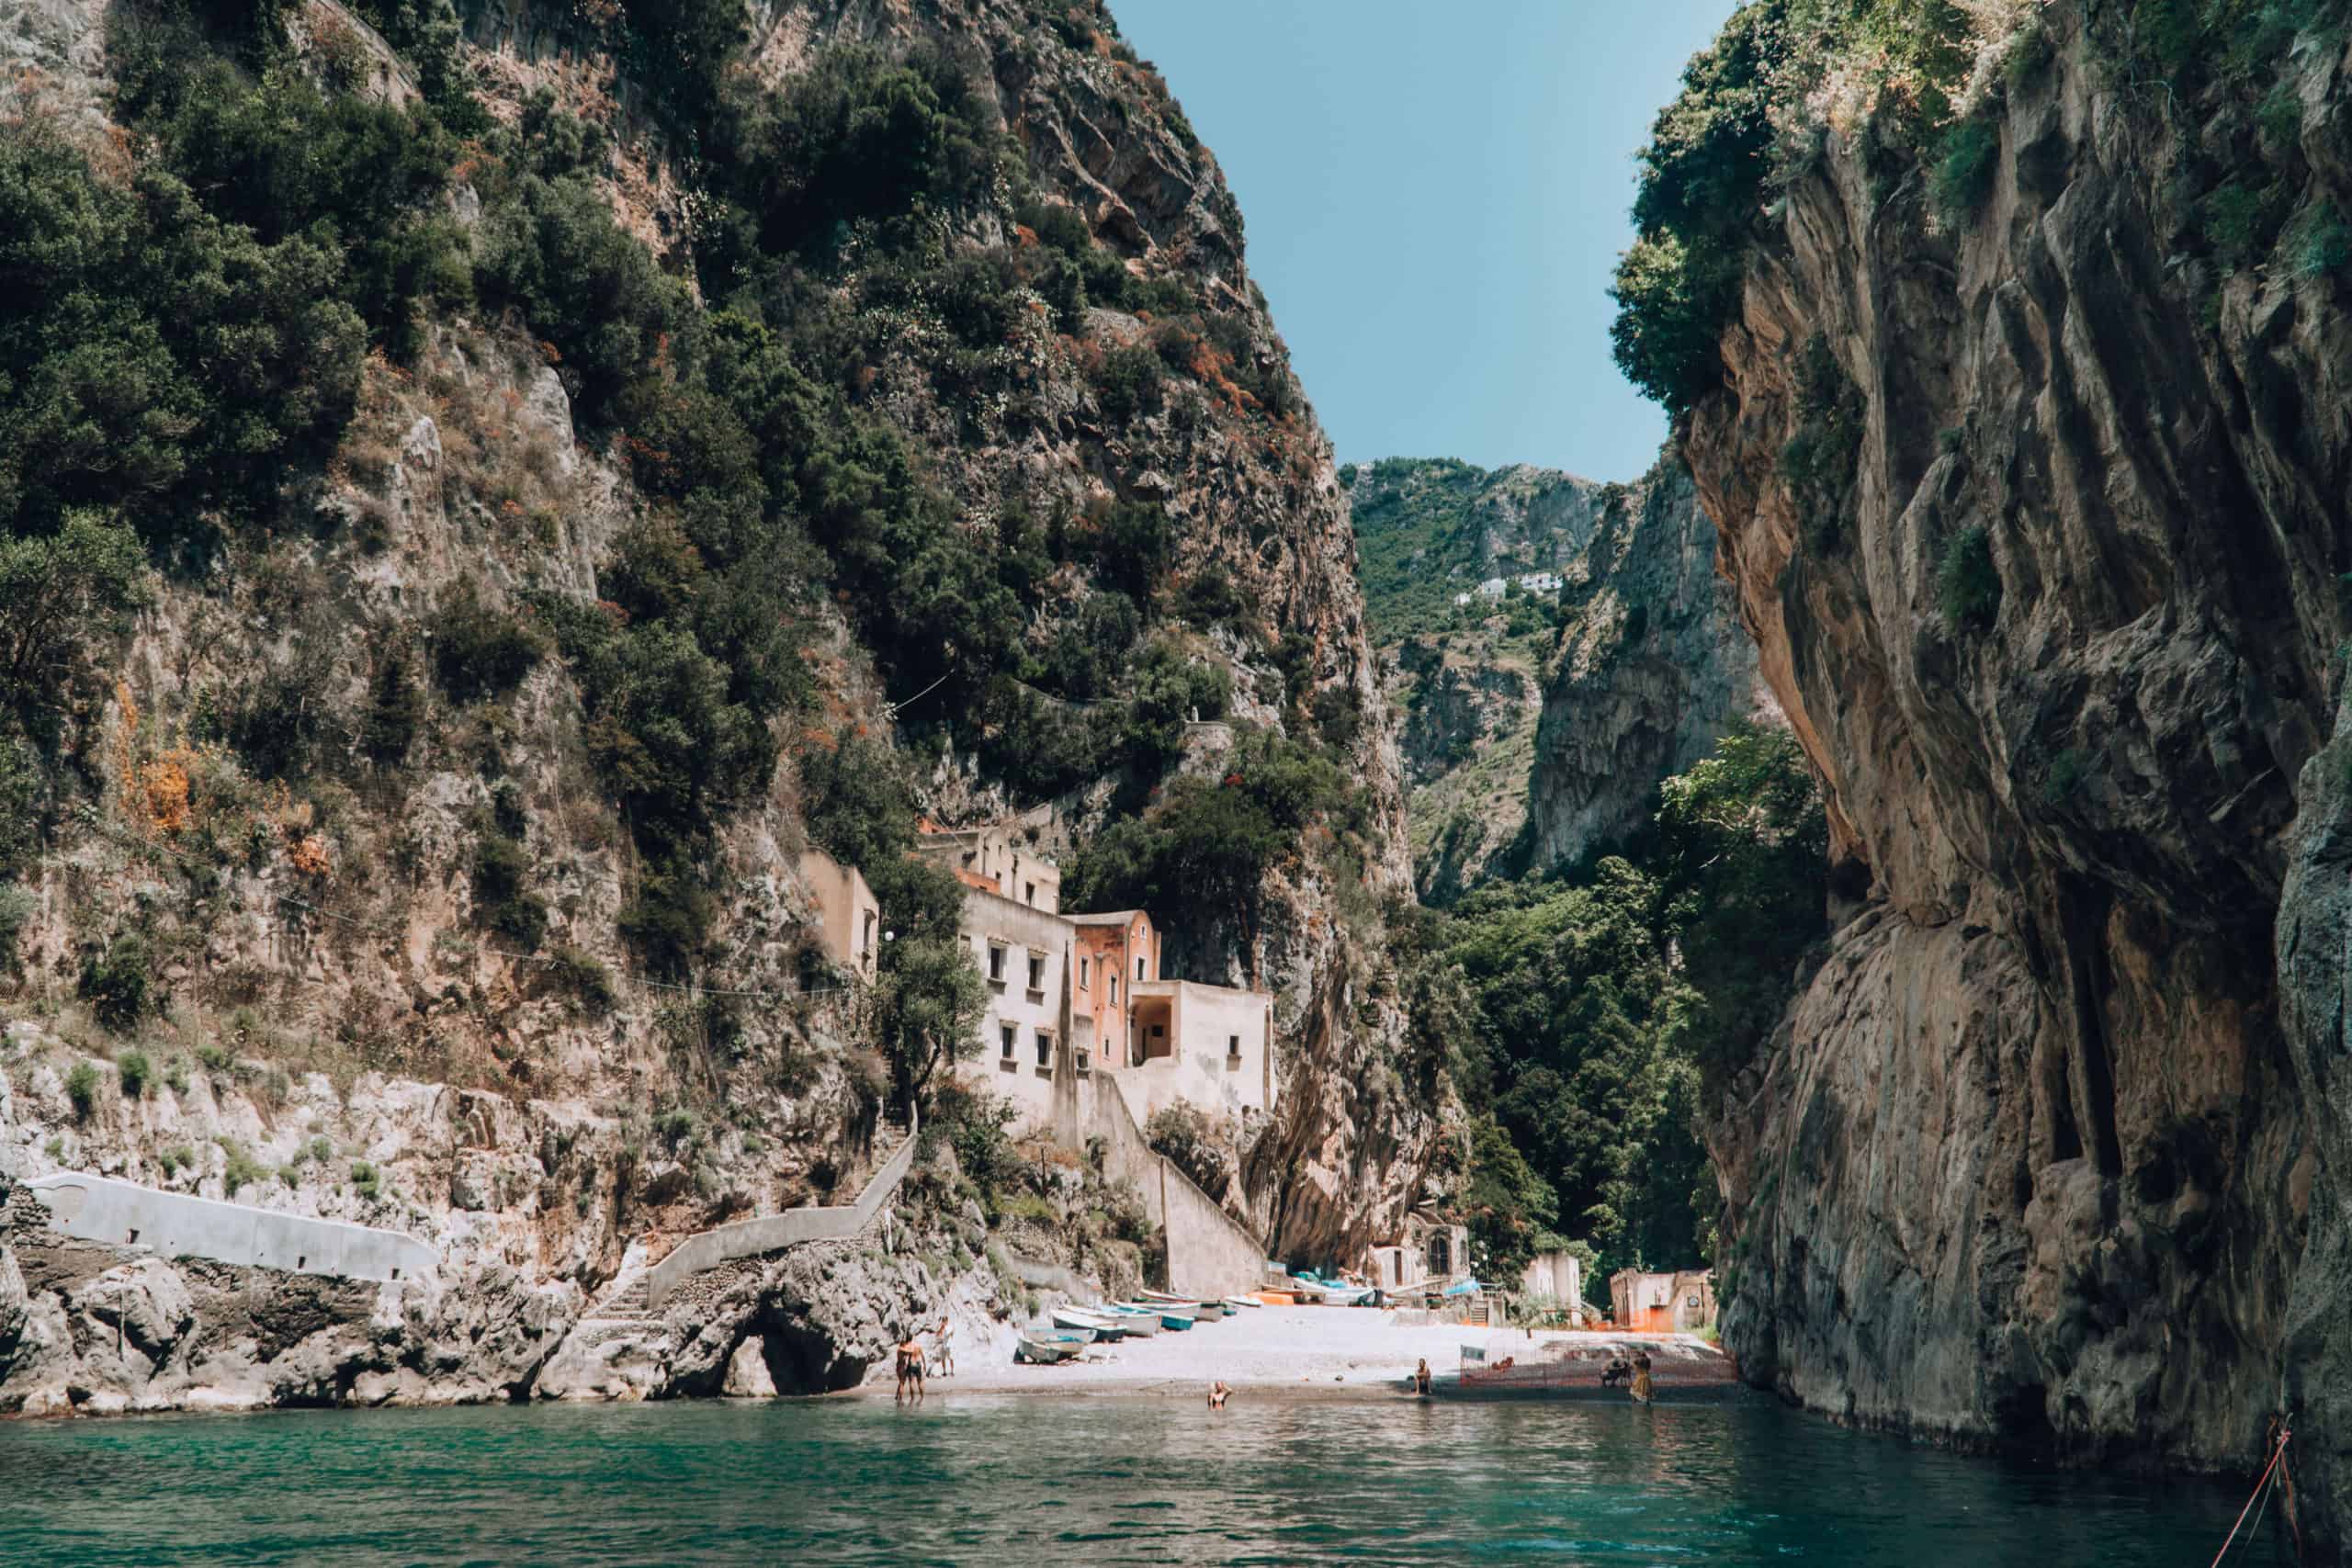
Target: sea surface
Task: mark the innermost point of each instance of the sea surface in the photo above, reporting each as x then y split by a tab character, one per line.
1009	1481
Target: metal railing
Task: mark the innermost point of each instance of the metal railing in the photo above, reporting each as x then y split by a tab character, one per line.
772	1233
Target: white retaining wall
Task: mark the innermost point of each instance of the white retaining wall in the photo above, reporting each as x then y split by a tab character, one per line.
174	1225
1209	1254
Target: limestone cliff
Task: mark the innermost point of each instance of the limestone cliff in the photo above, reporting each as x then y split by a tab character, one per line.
1651	668
334	1012
1555	647
2035	1156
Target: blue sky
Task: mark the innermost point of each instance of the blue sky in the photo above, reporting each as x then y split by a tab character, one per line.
1435	196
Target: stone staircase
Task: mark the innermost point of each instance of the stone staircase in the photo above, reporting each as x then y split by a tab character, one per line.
625	1301
627	1304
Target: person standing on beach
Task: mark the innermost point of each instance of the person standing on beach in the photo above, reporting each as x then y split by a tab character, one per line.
1422	1378
942	1349
1642	1386
910	1366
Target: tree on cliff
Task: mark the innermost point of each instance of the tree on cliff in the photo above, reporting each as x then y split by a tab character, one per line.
929	996
55	591
928	1010
1744	849
1506	1204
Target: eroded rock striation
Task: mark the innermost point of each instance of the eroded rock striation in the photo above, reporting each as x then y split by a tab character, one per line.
2036	1153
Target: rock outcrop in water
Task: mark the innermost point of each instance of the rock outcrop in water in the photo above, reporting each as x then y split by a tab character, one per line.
2037	1154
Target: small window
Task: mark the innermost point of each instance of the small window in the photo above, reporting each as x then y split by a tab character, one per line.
302	1260
1139	968
996	963
1005	1032
1029	893
1036	972
1045	1049
1083	965
1114	991
1159	1031
1081	1067
1233	1046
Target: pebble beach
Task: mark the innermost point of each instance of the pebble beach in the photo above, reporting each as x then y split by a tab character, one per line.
1298	1351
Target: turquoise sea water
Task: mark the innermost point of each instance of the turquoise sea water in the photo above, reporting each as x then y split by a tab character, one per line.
1007	1480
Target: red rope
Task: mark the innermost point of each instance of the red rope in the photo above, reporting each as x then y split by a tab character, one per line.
2276	1455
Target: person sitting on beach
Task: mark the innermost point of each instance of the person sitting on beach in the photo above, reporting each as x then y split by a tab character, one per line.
1218	1394
1422	1378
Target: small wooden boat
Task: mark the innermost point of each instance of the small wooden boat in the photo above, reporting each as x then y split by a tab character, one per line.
1138	1321
1041	1348
1235	1303
1169	1316
1329	1293
1204	1312
1102	1325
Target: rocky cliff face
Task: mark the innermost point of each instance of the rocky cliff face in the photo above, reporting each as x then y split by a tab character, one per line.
2035	1155
520	1198
326	961
1651	668
1538	720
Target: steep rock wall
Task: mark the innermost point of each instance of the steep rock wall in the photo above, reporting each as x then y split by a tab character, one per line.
2028	1162
1651	668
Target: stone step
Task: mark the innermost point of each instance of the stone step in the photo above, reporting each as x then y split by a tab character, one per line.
624	1298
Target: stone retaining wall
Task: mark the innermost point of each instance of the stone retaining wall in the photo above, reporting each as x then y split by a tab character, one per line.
175	1224
1209	1253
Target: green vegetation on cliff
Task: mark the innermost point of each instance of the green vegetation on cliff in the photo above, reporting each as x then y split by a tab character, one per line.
1415	540
189	323
1905	80
1612	998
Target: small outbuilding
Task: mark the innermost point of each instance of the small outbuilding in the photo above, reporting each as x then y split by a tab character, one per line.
848	918
1681	1302
1558	1276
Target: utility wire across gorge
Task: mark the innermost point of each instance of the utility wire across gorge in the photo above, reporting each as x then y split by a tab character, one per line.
92	819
